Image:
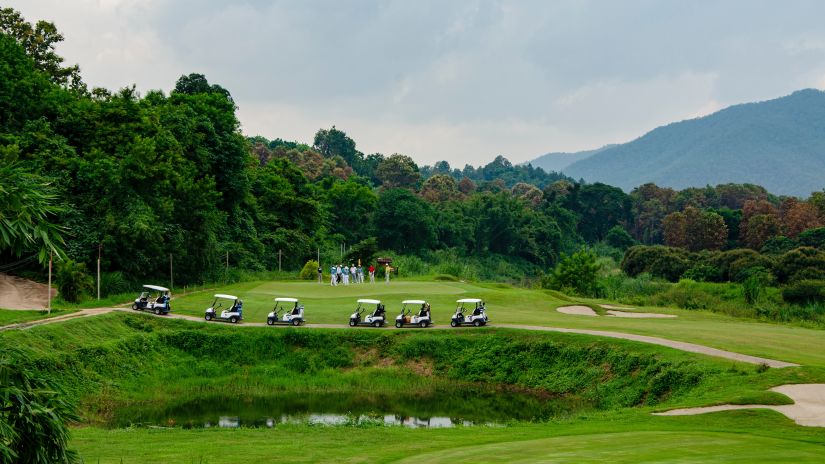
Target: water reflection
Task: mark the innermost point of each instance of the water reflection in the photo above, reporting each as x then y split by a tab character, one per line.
231	422
434	410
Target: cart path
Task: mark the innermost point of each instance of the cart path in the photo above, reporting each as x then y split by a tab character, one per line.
683	346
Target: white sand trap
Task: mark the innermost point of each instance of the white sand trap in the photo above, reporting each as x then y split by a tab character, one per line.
808	408
577	310
620	308
611	312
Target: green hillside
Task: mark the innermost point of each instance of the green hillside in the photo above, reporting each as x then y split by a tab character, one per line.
779	144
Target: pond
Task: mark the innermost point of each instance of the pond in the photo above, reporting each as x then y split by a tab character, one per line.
439	409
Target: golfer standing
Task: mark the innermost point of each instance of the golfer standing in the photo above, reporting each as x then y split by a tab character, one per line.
333	276
387	272
372	274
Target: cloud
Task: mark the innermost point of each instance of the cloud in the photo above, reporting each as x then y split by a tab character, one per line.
463	80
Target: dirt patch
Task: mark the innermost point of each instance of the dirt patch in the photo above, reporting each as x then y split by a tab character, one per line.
577	310
423	367
19	293
808	408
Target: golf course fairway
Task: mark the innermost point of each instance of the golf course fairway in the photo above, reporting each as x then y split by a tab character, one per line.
163	389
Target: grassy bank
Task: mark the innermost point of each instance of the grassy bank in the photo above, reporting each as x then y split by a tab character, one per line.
16	316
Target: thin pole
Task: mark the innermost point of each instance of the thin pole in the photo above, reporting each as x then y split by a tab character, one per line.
171	275
320	274
279	260
49	304
99	250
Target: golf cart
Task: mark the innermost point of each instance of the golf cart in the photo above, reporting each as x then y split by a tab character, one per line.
291	316
477	318
233	314
422	319
153	298
375	319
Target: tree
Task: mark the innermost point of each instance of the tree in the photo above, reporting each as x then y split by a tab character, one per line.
578	272
617	237
27	212
398	171
404	222
600	207
33	416
466	186
439	188
759	229
39	42
333	142
351	208
695	230
72	281
799	216
530	194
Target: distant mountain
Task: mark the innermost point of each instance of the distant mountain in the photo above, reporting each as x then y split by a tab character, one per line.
559	160
779	144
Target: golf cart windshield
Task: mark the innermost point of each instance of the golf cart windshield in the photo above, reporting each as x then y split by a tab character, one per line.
220	296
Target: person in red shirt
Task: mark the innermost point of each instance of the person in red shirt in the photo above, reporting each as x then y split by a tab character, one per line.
372	274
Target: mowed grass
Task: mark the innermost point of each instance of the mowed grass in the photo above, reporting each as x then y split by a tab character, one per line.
16	316
733	437
509	305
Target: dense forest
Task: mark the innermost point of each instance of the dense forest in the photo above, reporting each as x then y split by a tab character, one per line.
142	180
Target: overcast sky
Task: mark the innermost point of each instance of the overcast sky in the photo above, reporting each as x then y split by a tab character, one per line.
457	80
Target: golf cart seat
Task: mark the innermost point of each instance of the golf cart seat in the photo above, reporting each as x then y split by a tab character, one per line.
296	310
477	311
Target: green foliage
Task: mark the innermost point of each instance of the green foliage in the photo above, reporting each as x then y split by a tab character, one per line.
114	283
805	292
658	261
578	273
803	263
33	415
753	285
618	237
404	222
73	281
813	238
309	271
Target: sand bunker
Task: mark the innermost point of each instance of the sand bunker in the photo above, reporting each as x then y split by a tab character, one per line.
808	408
621	308
611	312
18	293
577	310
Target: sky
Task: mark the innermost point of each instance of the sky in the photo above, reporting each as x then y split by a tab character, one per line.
459	80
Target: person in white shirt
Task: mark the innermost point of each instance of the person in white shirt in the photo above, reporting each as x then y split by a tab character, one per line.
352	274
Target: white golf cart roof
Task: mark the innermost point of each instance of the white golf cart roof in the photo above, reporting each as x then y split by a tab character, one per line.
413	302
291	300
228	297
369	301
156	287
469	300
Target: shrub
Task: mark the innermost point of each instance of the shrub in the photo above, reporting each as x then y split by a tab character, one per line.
802	263
72	281
753	284
813	238
113	283
659	261
310	270
805	292
779	245
578	272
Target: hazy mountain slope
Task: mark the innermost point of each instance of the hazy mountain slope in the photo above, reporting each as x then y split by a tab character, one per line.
779	144
559	160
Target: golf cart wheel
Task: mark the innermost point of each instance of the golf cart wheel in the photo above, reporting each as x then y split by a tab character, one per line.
352	323
376	324
233	319
208	317
453	324
423	324
270	322
157	311
135	306
477	323
399	324
296	322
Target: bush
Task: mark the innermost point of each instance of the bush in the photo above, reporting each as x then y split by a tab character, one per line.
309	271
813	238
578	272
72	281
805	292
779	245
803	263
113	283
702	273
753	284
659	261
